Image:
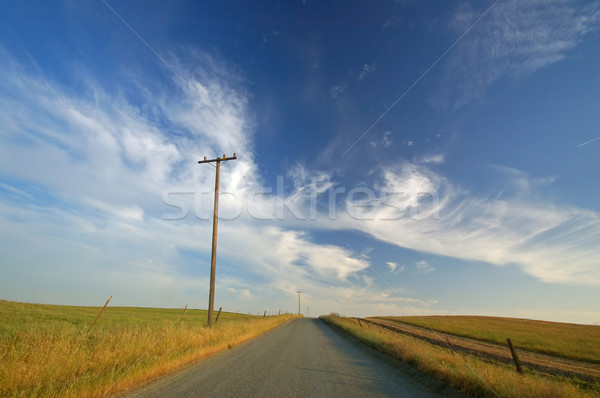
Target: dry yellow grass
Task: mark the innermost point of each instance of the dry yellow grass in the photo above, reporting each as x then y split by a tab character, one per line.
59	359
469	374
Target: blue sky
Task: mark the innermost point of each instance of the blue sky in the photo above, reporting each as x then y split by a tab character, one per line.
393	157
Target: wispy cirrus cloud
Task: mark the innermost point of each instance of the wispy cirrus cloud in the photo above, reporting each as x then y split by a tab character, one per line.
386	141
424	267
431	158
366	70
516	39
419	209
394	267
412	206
337	90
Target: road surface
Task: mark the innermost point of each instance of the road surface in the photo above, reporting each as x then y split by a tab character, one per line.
303	358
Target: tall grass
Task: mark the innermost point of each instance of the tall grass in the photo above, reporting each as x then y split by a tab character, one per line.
46	352
567	340
467	373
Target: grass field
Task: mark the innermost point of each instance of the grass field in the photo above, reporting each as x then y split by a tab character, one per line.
46	352
469	374
581	342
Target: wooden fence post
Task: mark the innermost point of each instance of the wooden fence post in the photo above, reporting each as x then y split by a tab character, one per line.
220	308
98	316
514	355
449	346
181	317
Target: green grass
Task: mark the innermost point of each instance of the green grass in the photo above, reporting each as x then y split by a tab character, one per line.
18	317
45	350
567	340
469	374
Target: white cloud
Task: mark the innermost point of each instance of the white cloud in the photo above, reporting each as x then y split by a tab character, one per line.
394	267
289	255
387	141
423	211
432	158
424	266
366	69
241	293
514	40
337	90
518	181
310	181
15	190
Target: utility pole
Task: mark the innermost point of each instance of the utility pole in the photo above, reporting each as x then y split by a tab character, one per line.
299	291
213	256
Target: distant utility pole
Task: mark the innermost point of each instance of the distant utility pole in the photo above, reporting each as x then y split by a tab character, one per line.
213	257
299	291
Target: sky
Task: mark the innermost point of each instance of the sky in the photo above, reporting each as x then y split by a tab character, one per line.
393	158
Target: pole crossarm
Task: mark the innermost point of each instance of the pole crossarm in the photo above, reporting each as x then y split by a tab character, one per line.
213	257
223	159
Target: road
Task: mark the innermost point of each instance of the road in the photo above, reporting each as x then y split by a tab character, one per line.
303	358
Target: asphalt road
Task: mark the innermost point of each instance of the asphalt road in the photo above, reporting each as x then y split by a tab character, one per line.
303	358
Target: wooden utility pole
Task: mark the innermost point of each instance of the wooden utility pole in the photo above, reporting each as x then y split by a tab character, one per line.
299	291
213	257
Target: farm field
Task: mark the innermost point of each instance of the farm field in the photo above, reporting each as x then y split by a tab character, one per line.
549	364
566	340
45	350
472	374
